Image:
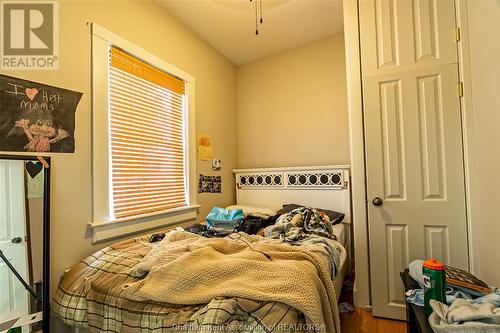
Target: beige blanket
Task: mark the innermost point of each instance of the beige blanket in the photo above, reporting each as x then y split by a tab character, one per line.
197	271
90	296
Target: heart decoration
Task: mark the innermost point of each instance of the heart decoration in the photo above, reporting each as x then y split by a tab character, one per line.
31	93
33	168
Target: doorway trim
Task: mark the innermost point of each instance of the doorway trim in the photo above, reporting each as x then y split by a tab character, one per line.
357	154
469	153
362	292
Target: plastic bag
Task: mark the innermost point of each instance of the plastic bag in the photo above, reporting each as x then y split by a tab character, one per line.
224	220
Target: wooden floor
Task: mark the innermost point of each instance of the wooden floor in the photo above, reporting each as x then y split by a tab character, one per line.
361	321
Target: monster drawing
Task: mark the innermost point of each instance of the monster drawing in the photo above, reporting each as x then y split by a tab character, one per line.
36	117
41	134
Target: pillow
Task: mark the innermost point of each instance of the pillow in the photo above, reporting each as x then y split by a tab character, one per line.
263	212
335	217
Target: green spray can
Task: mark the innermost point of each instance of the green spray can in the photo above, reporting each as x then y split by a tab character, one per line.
434	283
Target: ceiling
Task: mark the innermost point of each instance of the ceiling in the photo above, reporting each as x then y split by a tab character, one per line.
229	25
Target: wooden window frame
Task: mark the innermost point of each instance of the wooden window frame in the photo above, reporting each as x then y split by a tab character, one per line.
103	225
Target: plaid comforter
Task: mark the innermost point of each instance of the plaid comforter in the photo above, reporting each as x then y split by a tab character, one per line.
89	296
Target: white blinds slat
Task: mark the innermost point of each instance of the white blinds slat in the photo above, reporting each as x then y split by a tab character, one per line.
148	191
142	101
119	126
129	112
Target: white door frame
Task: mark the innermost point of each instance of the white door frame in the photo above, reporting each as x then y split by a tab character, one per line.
362	294
468	136
359	216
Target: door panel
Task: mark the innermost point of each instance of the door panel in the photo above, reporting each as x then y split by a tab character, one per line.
430	116
437	243
405	35
397	257
392	141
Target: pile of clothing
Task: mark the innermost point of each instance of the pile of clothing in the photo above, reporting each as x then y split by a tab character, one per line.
224	221
305	226
291	226
465	311
250	224
466	315
299	224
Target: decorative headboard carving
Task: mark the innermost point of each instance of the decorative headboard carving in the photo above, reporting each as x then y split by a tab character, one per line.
314	179
263	179
317	186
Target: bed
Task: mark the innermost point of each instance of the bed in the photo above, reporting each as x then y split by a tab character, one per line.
104	293
324	187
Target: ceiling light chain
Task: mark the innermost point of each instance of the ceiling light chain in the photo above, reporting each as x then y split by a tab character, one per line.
259	14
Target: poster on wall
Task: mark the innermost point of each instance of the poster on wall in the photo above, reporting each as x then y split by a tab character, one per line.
35	117
209	184
204	147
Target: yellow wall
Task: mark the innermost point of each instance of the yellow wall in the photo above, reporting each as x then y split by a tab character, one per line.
292	107
484	25
149	26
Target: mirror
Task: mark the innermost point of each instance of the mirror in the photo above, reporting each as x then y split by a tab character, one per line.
24	244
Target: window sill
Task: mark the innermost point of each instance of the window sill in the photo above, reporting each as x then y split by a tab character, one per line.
105	230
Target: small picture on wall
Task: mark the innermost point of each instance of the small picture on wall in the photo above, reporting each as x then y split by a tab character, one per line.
36	117
216	165
209	184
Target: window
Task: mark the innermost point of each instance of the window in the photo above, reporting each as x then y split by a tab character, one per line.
147	137
143	139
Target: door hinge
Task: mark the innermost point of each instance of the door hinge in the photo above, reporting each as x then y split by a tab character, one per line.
457	34
460	89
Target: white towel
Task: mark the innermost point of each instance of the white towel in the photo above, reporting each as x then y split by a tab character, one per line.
462	316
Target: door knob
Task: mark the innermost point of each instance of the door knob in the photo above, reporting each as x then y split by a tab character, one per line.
17	240
377	201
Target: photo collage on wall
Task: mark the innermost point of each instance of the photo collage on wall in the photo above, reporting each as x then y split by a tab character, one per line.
209	184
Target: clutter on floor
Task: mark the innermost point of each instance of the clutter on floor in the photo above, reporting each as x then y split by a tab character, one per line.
466	309
345	304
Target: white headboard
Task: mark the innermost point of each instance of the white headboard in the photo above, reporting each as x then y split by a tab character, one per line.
314	186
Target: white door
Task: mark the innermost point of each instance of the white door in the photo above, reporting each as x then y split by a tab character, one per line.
414	159
13	296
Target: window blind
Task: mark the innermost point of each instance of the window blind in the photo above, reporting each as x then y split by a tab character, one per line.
147	137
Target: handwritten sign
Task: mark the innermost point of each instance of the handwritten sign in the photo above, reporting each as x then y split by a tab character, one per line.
36	117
